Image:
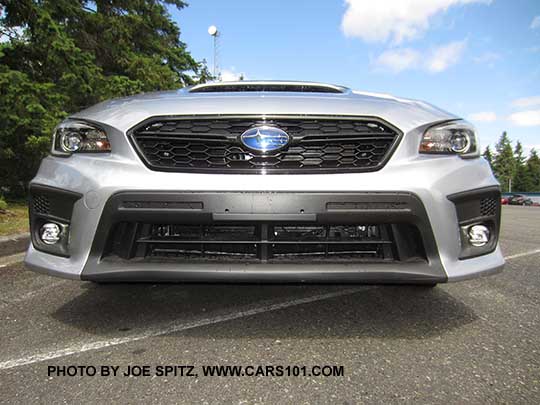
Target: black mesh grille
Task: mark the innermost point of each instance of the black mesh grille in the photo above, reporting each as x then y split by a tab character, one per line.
41	204
212	144
488	206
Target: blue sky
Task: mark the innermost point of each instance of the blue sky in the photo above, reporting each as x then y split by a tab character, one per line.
479	59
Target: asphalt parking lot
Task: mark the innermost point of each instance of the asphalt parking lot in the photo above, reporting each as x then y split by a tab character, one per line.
476	341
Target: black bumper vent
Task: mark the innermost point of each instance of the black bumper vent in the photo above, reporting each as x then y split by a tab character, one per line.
489	206
207	144
41	204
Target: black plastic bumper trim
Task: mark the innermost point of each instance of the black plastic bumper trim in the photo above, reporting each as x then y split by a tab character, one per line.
468	211
326	208
376	273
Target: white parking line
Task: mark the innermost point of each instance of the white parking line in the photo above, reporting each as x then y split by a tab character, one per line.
532	252
178	327
172	328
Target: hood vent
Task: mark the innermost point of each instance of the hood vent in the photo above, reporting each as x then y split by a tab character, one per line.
245	86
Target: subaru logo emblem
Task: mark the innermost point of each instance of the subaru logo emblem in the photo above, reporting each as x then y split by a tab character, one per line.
265	138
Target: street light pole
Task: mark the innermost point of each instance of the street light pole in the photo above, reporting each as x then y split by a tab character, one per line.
213	31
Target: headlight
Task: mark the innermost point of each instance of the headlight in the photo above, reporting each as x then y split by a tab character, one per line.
79	137
455	138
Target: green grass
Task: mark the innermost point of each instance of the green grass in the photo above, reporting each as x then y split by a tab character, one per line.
15	220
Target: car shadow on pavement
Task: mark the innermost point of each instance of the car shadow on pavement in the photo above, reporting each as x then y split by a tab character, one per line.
374	311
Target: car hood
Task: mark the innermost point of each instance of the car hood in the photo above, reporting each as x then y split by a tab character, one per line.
124	113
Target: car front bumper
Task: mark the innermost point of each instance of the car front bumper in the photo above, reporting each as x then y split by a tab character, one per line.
418	191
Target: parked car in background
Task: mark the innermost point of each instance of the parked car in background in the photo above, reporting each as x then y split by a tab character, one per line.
504	200
519	199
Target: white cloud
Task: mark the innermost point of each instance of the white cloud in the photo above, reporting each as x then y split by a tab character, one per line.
535	23
526	102
435	60
397	20
397	60
445	56
487	58
483	116
231	75
529	118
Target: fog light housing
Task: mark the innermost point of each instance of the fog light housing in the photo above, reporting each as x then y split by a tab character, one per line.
50	233
479	235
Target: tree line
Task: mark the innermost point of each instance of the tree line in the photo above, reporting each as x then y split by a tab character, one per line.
60	56
514	171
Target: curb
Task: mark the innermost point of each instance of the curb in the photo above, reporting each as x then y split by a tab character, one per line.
12	244
14	237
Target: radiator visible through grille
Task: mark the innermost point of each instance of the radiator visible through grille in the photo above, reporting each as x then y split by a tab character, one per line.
212	144
253	242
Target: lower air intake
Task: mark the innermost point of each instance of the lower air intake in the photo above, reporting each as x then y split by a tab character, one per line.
256	242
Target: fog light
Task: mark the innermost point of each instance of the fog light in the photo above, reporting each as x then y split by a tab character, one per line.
479	235
50	233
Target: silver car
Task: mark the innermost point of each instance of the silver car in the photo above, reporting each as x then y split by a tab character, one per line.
263	181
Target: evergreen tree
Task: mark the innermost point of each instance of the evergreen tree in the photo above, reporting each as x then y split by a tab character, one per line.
488	155
533	171
523	181
518	154
63	55
504	163
520	180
